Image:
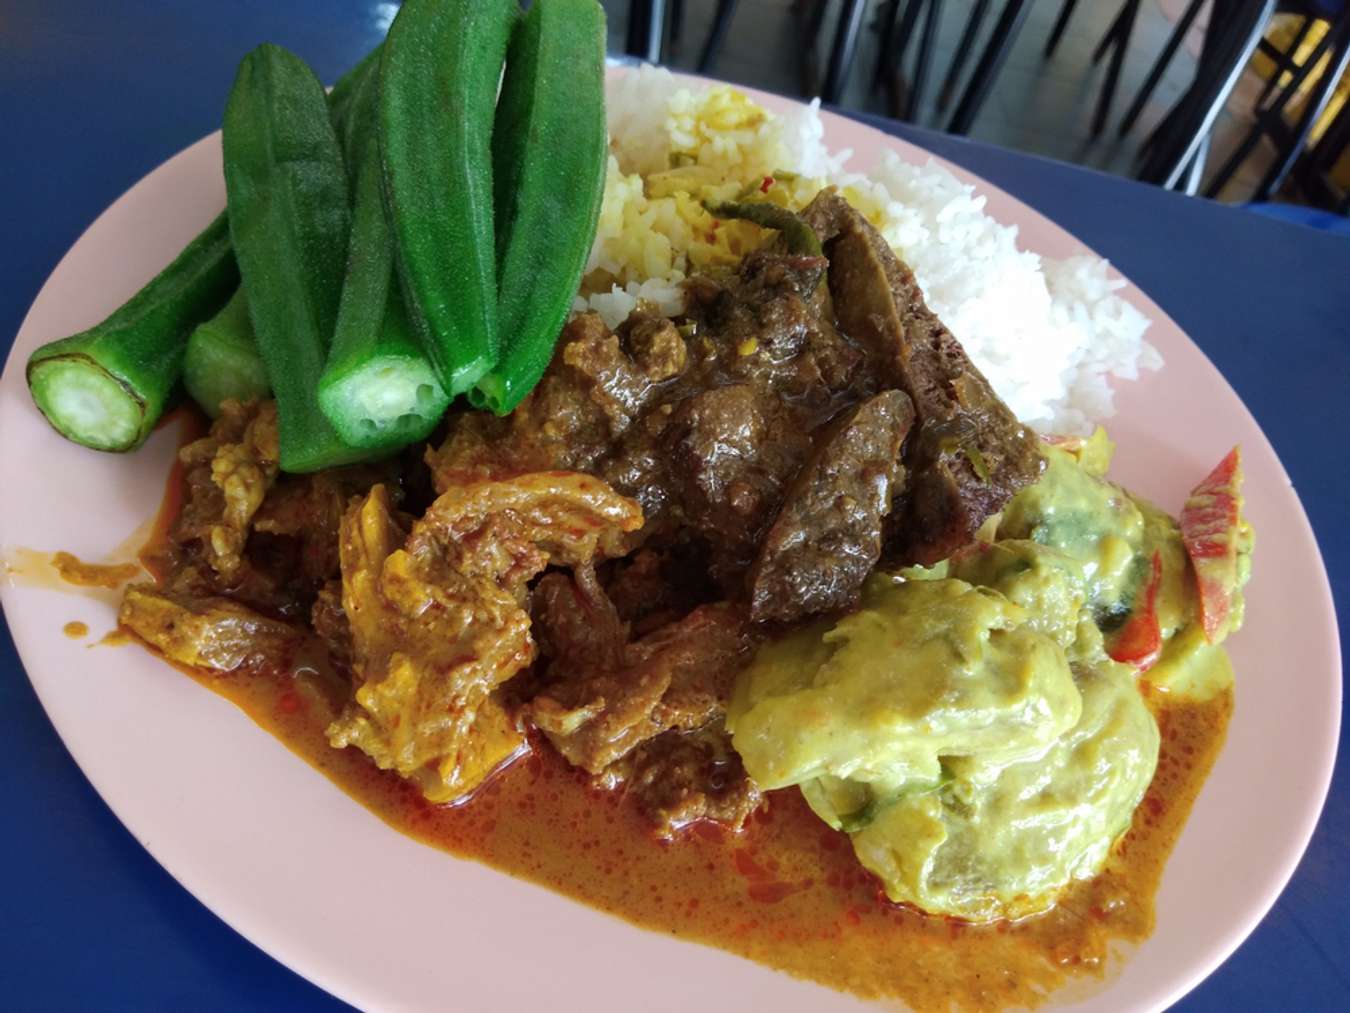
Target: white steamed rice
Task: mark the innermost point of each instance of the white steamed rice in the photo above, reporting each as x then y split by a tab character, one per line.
1048	334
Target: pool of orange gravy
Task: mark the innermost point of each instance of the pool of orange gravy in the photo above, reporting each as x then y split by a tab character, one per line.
786	892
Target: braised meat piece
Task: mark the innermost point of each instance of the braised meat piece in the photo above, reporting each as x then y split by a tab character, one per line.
592	391
643	713
680	676
437	622
652	586
266	539
827	537
214	633
330	625
303	513
771	326
227	474
730	453
574	623
680	778
970	454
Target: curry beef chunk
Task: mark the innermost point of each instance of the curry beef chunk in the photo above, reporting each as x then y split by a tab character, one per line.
969	454
600	563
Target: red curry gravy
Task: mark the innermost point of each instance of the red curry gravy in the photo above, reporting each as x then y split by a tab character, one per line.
787	891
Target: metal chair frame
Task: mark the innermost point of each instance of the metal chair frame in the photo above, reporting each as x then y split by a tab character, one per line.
1173	155
1290	139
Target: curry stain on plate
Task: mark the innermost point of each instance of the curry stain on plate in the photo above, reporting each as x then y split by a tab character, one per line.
75	630
130	559
64	572
74	570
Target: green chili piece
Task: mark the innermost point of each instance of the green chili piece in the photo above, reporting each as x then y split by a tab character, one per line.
289	220
798	235
548	165
438	89
106	387
222	359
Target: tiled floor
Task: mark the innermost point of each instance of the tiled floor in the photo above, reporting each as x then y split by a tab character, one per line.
1041	106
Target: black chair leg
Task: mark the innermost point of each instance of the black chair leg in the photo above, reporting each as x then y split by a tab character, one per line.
1284	61
1160	66
926	43
1113	34
995	52
885	38
843	50
646	29
967	43
1231	163
816	20
1108	93
676	33
894	54
1312	110
1237	28
1061	22
726	10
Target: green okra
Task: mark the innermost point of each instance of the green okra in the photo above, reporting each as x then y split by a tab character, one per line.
549	152
289	220
106	387
378	389
438	89
222	359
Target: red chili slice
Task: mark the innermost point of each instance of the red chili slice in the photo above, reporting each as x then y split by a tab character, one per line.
1210	521
1139	641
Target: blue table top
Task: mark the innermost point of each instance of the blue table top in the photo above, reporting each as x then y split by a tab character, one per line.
93	95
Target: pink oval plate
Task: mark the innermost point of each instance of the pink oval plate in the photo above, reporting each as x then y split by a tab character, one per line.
386	923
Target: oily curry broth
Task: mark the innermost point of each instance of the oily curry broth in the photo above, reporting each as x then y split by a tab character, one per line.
787	892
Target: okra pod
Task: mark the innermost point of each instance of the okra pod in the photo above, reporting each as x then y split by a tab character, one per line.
106	387
548	159
222	359
289	220
378	389
439	75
